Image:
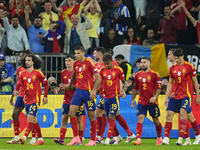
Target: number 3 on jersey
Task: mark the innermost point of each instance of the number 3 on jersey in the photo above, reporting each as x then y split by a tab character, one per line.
179	79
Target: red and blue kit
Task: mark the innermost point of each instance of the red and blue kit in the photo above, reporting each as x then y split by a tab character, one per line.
31	82
147	83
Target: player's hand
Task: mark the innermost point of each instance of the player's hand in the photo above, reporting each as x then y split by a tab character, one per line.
93	95
45	100
83	15
11	101
166	102
123	95
16	93
197	101
152	100
64	86
133	103
172	95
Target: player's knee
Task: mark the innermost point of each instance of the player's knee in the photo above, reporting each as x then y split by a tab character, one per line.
99	112
140	119
15	117
72	114
91	117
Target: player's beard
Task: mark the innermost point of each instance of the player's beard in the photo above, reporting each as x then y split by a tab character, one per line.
144	68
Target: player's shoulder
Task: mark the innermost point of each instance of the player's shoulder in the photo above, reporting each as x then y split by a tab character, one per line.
90	61
65	70
118	68
189	64
102	68
39	72
23	71
139	72
155	73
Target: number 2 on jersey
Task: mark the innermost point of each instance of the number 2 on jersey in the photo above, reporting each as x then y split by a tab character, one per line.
29	86
144	86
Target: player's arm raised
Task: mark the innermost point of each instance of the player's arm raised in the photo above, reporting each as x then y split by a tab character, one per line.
196	87
96	85
169	89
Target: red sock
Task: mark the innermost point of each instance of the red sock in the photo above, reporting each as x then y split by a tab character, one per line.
16	127
28	129
33	133
80	133
124	124
111	127
62	133
37	129
139	129
159	130
195	126
74	126
99	125
168	128
183	126
115	131
187	132
104	124
93	127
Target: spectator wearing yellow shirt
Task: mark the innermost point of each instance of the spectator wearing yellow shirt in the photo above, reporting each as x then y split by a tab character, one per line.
48	15
67	11
95	15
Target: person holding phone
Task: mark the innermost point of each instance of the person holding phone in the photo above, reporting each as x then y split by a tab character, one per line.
35	32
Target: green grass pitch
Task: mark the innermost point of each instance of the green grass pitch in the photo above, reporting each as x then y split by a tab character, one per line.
147	144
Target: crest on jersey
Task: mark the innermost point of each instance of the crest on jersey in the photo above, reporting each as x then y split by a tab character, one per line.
109	77
80	69
29	80
34	78
149	78
113	74
179	73
144	80
184	71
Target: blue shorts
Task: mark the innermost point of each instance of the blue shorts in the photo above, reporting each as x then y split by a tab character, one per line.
83	96
19	102
175	105
154	110
101	103
32	109
111	106
65	110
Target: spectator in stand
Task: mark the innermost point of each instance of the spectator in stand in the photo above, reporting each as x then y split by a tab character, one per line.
66	12
48	15
179	14
77	34
53	37
139	29
35	32
6	75
95	16
195	23
17	38
167	28
151	38
4	41
130	38
126	67
4	5
121	19
111	40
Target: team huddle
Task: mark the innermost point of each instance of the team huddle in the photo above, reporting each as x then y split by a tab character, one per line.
84	77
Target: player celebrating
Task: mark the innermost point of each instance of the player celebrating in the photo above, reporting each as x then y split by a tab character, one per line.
84	70
110	76
31	80
148	83
182	74
66	77
19	106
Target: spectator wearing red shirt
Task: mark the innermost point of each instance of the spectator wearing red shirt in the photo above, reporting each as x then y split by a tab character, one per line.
167	28
179	14
130	38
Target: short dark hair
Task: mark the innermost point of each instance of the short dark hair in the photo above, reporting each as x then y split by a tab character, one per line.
71	56
27	52
38	17
107	57
38	62
109	51
138	60
79	47
47	1
178	52
120	56
147	58
100	49
111	29
15	16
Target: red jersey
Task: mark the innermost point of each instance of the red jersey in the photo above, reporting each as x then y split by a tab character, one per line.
182	76
84	74
19	71
66	77
110	81
99	66
31	81
147	83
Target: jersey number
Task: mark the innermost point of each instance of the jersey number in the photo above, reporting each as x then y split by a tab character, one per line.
144	86
179	79
29	86
80	75
185	104
109	82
